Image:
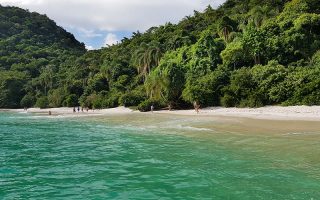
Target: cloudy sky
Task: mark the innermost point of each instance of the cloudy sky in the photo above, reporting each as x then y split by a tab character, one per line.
101	22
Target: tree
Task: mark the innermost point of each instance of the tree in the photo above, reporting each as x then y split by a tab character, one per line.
225	27
155	85
71	101
242	90
147	57
27	101
254	43
56	97
234	56
244	53
166	82
42	102
207	89
46	78
11	88
259	14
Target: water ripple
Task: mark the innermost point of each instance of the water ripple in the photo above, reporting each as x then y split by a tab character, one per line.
46	158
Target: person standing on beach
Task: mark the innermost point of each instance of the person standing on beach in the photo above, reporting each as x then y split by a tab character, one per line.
152	108
74	109
196	106
78	109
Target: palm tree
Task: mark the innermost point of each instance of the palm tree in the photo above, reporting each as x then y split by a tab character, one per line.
105	71
156	85
146	57
234	35
155	53
141	59
46	78
225	31
259	14
225	28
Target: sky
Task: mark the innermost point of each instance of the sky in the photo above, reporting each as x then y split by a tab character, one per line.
99	23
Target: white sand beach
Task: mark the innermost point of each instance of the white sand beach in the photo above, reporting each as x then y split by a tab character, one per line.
306	113
68	112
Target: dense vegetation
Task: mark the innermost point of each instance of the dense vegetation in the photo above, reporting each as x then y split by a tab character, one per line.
245	53
34	56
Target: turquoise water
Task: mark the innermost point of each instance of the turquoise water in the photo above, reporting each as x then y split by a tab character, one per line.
152	157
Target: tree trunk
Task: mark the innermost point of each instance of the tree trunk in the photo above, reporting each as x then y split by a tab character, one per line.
257	59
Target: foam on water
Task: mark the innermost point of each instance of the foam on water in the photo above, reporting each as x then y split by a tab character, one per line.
302	133
134	157
180	126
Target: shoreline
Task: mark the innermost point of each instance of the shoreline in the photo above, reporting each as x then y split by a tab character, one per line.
68	112
291	113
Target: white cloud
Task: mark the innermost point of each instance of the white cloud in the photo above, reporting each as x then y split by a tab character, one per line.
89	47
111	39
89	33
88	19
113	15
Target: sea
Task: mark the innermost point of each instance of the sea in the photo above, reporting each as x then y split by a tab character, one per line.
157	156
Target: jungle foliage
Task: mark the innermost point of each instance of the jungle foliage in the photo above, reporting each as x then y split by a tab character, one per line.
246	53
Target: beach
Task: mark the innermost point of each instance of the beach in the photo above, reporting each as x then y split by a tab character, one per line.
304	113
220	153
68	112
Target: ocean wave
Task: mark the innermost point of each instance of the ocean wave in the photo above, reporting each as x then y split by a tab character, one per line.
192	128
301	133
161	127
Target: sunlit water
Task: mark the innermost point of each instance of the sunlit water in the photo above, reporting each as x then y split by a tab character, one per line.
156	157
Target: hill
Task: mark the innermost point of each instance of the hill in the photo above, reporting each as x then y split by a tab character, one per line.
30	44
245	53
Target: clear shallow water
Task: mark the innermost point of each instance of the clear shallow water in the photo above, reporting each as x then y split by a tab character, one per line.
153	157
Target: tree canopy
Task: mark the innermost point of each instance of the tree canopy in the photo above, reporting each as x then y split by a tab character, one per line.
244	53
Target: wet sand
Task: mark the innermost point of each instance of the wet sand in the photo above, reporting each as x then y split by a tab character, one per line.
292	113
305	113
295	120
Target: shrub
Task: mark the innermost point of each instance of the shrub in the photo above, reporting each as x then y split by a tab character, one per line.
253	101
27	101
145	106
71	101
42	102
228	101
56	97
131	99
111	102
97	102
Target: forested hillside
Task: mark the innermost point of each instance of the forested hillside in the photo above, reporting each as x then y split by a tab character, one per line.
245	53
33	56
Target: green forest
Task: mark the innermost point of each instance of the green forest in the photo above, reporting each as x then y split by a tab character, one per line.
245	53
